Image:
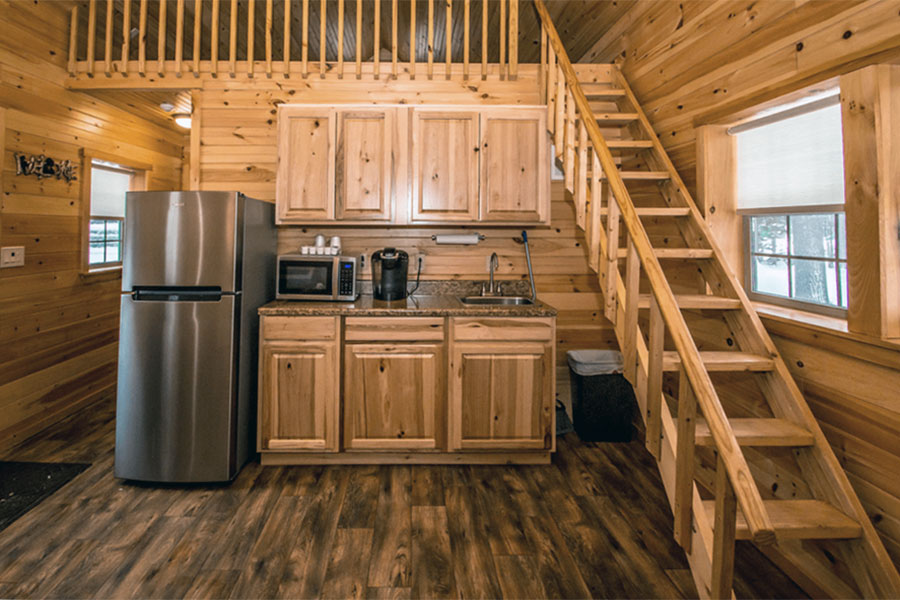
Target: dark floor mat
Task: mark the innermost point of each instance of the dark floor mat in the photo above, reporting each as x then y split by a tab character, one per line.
24	485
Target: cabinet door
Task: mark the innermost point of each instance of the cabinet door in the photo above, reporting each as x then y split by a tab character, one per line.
393	396
501	396
305	185
445	165
299	401
515	165
364	159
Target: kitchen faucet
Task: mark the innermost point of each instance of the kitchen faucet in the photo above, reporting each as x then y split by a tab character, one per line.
495	262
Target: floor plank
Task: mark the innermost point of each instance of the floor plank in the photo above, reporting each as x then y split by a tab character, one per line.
594	523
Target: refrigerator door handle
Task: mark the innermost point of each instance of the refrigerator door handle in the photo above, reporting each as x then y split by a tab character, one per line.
176	294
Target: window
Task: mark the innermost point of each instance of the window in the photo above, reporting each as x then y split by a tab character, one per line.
790	192
109	184
799	256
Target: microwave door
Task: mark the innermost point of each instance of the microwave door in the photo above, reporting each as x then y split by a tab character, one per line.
306	278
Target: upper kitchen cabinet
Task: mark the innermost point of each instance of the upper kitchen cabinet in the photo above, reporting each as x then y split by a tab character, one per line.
412	165
365	159
306	164
515	181
445	165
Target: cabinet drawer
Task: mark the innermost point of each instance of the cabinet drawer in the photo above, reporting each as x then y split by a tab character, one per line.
299	328
503	329
388	329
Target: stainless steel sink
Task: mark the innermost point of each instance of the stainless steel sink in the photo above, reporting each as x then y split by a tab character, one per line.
500	300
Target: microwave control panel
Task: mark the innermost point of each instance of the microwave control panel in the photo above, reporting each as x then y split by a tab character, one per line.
346	278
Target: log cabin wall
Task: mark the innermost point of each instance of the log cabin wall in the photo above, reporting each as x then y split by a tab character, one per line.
691	64
58	327
238	150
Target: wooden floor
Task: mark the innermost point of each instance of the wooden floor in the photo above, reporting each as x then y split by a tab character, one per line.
595	523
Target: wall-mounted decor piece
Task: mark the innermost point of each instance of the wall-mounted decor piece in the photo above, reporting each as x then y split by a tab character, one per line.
43	166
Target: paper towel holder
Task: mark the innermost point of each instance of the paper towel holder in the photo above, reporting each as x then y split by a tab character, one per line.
480	237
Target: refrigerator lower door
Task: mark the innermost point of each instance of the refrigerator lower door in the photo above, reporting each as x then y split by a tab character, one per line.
176	402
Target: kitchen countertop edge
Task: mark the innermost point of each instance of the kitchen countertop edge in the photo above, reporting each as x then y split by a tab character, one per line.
416	306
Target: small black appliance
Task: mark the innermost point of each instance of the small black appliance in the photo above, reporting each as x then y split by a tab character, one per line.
389	273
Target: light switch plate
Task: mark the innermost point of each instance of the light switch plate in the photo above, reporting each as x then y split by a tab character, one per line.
12	256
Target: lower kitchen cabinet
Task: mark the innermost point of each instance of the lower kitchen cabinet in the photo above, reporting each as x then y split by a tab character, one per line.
299	406
393	396
501	396
406	389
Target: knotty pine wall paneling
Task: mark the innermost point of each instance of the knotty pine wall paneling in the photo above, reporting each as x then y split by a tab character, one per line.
58	327
238	150
694	64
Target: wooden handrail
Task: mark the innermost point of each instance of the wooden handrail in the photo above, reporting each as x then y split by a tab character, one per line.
739	474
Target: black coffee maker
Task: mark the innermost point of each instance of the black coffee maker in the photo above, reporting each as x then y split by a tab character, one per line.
389	273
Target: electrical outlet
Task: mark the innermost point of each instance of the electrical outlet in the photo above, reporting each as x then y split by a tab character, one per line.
12	256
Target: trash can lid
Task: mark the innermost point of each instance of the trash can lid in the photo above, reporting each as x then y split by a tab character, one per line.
595	362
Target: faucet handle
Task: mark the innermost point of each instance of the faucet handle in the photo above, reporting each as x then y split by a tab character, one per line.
483	289
499	289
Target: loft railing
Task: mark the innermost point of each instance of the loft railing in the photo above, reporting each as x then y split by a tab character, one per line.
569	110
287	37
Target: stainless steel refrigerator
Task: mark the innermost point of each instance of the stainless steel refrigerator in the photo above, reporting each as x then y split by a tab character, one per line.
196	266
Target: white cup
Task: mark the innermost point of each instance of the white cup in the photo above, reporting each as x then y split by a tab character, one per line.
335	242
304	250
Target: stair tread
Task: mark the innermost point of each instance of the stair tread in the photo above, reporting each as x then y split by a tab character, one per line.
697	301
798	519
643	175
759	432
676	253
626	144
717	360
683	252
662	211
615	117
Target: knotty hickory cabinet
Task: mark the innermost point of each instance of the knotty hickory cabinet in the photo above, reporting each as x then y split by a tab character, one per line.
412	165
406	389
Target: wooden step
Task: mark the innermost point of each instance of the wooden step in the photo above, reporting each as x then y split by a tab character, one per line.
759	432
615	119
640	175
601	91
629	144
697	302
799	520
661	211
717	360
676	253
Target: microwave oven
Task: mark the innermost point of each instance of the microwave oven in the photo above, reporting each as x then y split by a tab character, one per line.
307	277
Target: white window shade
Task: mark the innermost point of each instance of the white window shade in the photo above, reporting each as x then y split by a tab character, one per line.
108	188
798	161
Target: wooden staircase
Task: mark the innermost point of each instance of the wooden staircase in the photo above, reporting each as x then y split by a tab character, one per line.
619	175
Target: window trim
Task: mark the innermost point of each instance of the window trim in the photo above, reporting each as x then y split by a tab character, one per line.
139	182
787	302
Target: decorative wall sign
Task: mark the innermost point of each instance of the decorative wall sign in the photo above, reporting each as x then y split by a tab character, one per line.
42	166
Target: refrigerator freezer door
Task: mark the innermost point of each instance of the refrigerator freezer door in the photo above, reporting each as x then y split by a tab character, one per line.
183	239
176	399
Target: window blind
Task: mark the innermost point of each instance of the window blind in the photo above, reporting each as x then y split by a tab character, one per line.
108	189
796	161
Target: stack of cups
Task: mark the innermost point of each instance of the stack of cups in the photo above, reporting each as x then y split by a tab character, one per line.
332	249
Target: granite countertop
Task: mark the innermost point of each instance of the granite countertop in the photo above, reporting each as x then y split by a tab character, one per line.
432	299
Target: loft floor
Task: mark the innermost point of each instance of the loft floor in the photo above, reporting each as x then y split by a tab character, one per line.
594	523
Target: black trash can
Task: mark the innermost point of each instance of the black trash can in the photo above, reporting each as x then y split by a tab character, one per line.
603	402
